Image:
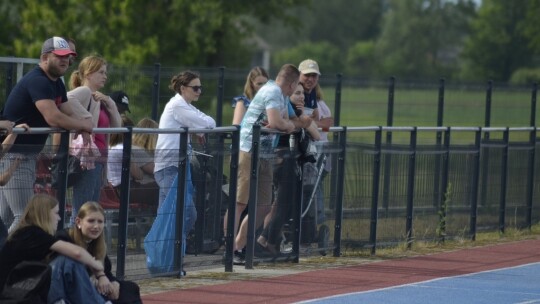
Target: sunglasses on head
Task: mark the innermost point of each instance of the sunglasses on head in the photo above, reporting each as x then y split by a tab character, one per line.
195	88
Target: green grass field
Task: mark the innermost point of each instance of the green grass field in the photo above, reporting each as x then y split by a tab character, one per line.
362	107
368	106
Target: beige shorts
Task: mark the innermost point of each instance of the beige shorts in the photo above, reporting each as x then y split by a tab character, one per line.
264	182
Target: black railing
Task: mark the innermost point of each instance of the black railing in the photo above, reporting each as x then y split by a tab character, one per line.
356	214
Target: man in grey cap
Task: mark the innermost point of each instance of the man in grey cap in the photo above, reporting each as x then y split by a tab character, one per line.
39	100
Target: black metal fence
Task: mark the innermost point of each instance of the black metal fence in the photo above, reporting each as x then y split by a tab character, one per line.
377	194
387	102
387	185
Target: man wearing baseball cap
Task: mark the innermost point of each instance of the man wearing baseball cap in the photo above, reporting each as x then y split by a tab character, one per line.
39	100
321	115
309	77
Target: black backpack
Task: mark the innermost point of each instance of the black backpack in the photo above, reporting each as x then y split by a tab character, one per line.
28	282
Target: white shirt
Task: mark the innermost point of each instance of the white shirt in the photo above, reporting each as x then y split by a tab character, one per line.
177	114
324	112
114	163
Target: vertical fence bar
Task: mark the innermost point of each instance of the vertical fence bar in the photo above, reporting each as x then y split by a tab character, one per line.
410	187
388	158
444	182
474	184
155	90
231	209
530	177
296	224
504	179
253	189
487	115
375	191
61	191
533	104
340	190
531	158
9	79
337	104
485	156
124	204
219	162
438	140
220	94
337	122
180	202
200	199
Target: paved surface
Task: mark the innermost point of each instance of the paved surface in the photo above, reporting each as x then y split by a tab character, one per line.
216	274
314	278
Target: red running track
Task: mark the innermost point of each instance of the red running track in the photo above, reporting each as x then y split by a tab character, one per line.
322	283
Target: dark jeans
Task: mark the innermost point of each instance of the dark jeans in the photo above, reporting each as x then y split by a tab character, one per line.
285	179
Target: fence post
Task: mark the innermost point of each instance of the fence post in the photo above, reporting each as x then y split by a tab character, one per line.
388	158
340	189
436	176
375	191
62	154
252	210
504	171
9	79
485	156
200	198
231	208
410	186
444	181
155	90
220	93
180	202
531	160
337	122
474	185
124	205
530	177
533	104
337	102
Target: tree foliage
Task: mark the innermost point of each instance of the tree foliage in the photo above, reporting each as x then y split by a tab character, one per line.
421	38
503	39
179	32
326	54
369	38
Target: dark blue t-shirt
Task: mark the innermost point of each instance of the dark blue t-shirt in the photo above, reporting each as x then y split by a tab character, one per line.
20	106
241	98
310	99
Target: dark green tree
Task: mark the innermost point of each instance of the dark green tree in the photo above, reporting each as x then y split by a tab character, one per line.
503	39
180	32
327	55
422	38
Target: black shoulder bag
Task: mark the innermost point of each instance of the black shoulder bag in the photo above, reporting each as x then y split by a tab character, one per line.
28	282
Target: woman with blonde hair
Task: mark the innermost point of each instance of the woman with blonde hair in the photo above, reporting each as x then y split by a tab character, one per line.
147	141
33	240
85	84
143	188
88	234
256	78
